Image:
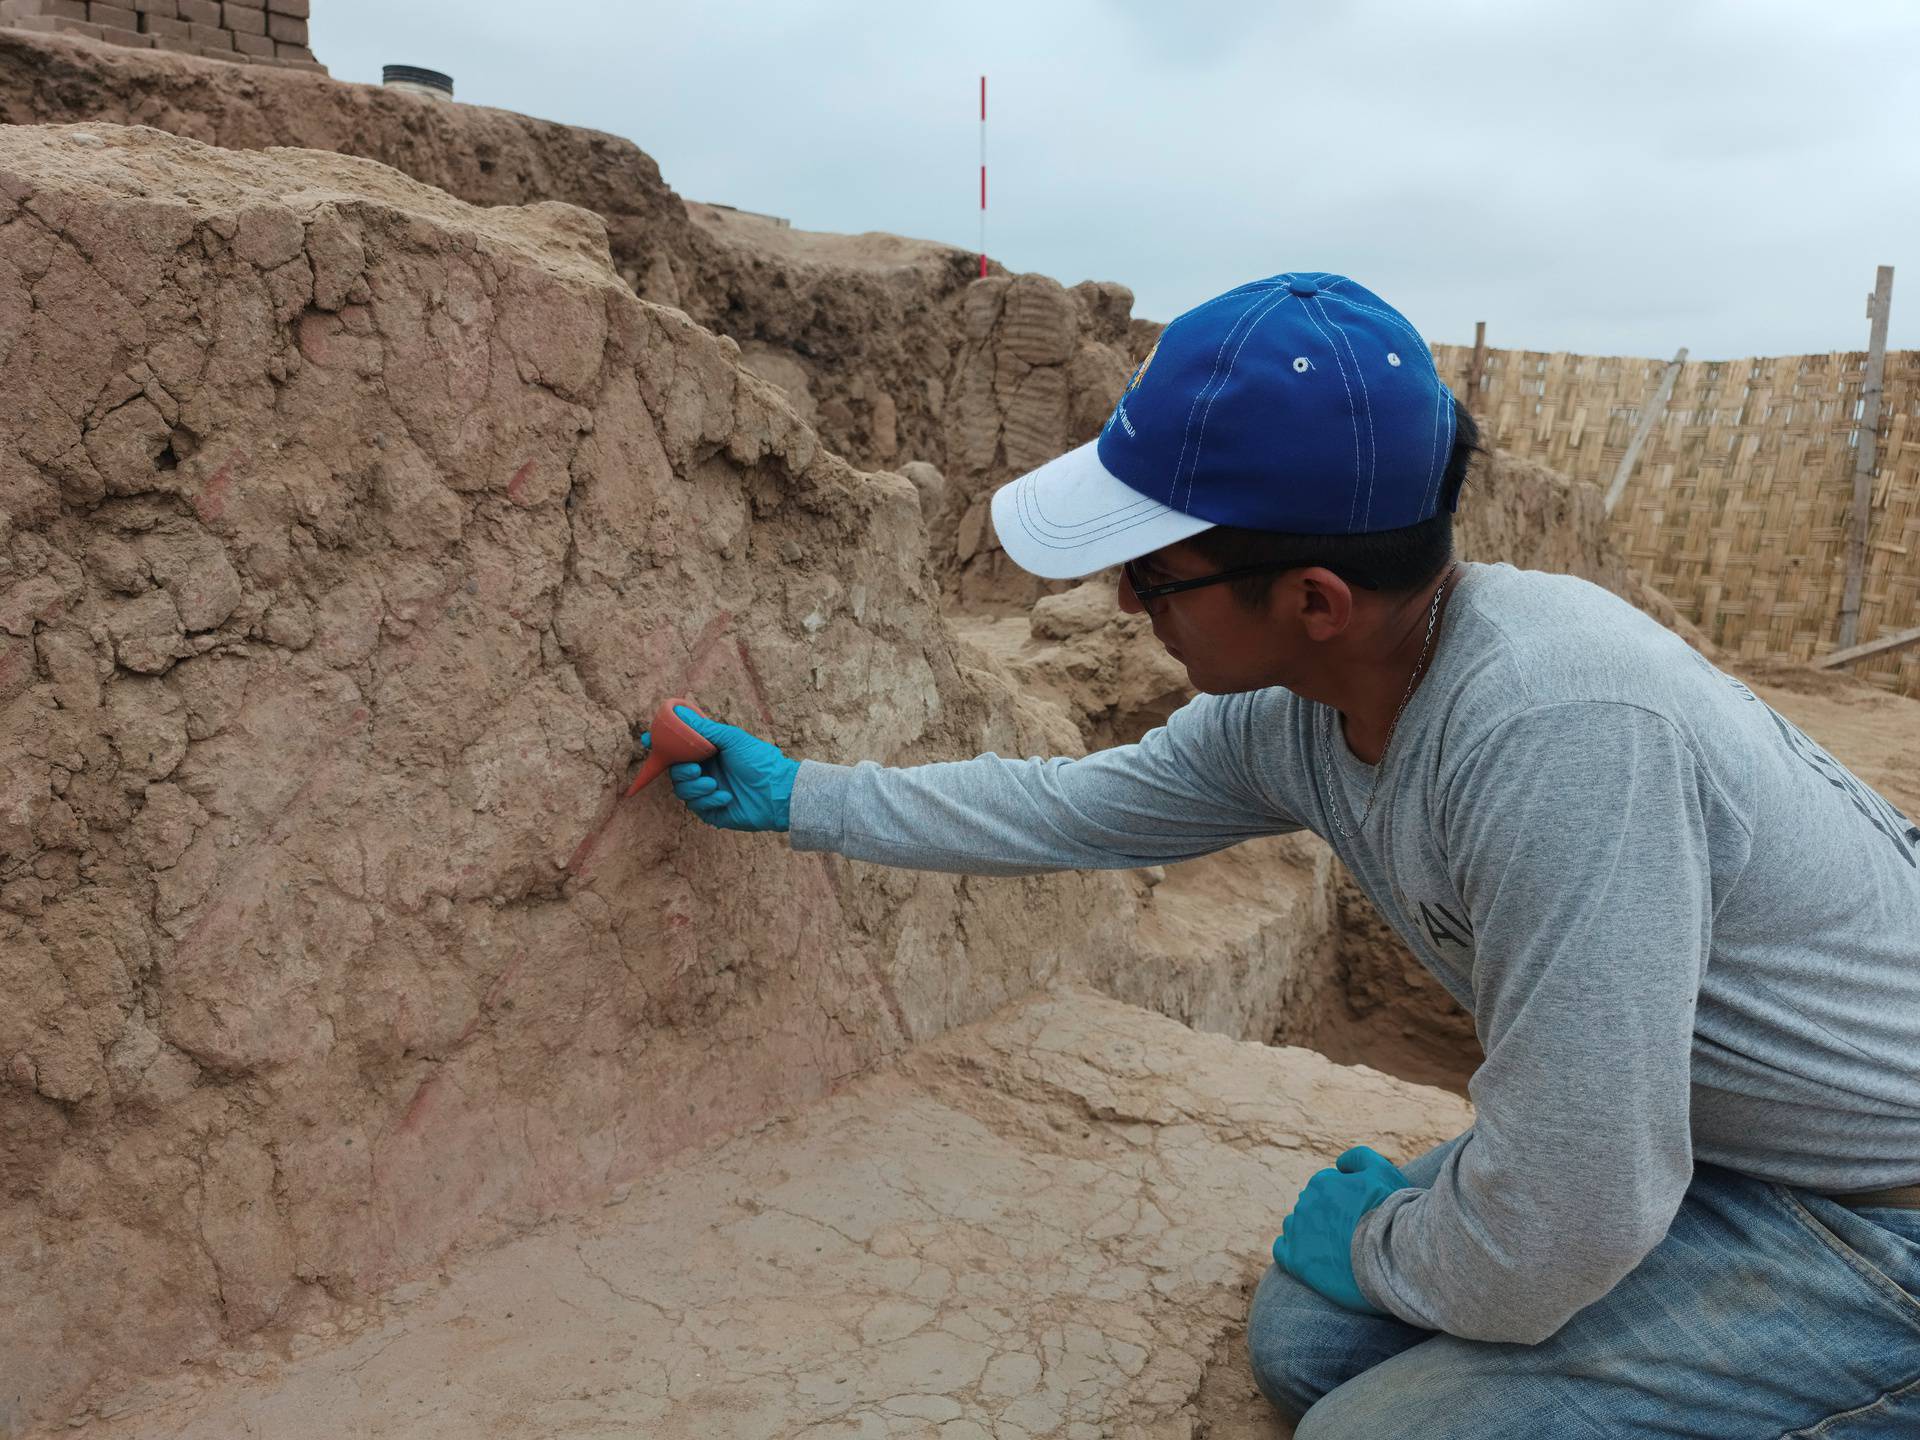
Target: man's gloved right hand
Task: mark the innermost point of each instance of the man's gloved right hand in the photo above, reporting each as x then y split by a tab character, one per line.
745	785
1316	1239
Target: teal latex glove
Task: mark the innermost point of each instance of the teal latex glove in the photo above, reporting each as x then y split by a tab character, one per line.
1316	1240
745	785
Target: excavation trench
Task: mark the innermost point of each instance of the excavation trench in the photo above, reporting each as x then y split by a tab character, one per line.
1378	1006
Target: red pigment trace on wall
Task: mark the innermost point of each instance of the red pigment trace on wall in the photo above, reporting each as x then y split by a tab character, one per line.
212	498
518	484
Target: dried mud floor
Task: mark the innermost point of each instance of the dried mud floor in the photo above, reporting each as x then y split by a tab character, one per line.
1046	1224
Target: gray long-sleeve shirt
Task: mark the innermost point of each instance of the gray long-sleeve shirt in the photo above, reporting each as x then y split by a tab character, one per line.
1685	932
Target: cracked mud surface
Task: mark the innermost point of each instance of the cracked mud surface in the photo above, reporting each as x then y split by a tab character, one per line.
860	337
346	532
1043	1225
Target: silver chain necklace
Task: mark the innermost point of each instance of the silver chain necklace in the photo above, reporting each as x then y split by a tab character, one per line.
1334	738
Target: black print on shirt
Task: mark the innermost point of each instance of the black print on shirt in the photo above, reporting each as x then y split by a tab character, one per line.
1443	927
1904	834
1879	814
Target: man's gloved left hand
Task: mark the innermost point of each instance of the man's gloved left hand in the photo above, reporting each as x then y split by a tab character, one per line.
1316	1240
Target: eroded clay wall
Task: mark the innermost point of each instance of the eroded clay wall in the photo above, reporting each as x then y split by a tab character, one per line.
888	348
349	535
863	338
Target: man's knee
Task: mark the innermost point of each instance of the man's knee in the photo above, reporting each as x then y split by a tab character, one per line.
1302	1345
1433	1393
1356	1412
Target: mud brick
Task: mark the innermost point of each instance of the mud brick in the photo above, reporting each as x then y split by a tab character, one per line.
167	8
299	9
296	54
63	9
43	24
79	27
116	17
205	35
216	52
200	12
178	44
12	10
287	30
253	44
165	25
243	21
113	35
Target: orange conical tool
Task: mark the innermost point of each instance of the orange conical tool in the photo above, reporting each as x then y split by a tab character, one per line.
674	742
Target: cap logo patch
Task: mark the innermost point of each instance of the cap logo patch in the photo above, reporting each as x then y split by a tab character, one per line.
1141	373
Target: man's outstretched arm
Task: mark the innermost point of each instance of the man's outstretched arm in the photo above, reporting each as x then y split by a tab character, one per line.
1183	790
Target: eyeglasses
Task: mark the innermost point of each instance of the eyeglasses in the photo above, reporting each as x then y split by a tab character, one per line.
1147	593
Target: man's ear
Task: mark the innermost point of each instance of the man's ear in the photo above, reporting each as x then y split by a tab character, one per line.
1320	602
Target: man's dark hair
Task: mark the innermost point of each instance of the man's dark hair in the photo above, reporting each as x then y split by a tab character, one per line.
1390	561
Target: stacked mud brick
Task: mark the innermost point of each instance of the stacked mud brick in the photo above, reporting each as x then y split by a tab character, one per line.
257	32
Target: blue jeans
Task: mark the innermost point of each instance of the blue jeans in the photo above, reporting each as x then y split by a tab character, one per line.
1766	1312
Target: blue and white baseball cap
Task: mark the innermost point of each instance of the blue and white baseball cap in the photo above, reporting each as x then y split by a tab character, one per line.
1301	403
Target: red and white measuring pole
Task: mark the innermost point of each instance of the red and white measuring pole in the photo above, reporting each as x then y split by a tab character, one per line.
983	177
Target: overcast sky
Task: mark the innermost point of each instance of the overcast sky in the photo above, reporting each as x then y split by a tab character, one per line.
1621	177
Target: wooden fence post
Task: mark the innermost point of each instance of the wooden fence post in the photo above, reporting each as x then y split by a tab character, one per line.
1878	305
1649	417
1478	366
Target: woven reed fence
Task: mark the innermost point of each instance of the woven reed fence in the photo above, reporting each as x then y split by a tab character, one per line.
1740	503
